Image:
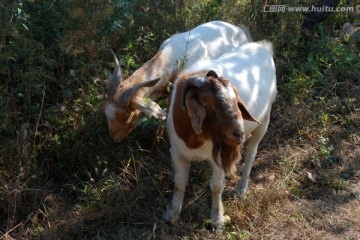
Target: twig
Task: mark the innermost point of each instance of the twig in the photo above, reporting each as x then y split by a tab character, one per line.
38	120
300	200
7	233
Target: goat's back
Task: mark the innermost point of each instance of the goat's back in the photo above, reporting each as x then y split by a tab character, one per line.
251	69
207	41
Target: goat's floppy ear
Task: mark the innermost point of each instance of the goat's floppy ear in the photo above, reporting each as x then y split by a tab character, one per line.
196	81
148	107
190	101
245	113
195	110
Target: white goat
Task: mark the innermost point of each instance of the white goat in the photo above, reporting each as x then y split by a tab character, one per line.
127	99
206	119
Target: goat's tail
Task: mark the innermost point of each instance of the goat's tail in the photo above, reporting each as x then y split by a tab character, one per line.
247	32
267	45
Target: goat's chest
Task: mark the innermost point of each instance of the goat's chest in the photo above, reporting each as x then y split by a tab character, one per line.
204	152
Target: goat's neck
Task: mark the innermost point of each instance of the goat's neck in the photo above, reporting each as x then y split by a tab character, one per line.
160	66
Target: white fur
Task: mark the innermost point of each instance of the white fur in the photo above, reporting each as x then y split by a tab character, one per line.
251	69
206	41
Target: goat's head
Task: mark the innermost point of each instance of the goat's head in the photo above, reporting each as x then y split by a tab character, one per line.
216	110
124	103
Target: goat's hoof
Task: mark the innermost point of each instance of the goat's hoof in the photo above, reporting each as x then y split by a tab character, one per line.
218	223
213	226
170	217
240	193
241	189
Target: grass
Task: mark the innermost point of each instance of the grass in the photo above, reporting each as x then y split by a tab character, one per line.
62	177
122	191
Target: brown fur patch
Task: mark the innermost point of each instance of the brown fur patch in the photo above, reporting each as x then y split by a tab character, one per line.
226	153
182	123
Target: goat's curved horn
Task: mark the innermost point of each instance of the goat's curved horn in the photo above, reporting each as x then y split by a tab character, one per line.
116	77
127	95
191	82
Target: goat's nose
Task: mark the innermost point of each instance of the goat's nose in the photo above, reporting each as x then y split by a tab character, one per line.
238	134
117	139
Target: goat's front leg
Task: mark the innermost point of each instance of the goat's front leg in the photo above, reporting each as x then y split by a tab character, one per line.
181	167
217	187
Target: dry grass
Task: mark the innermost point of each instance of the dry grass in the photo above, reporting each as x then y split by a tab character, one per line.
128	201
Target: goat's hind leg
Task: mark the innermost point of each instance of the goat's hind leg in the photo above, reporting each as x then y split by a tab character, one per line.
250	153
181	168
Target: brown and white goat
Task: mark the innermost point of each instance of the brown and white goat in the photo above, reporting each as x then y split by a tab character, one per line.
127	99
209	119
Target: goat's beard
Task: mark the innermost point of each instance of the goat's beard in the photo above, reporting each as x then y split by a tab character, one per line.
226	154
